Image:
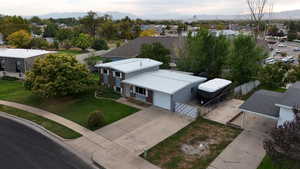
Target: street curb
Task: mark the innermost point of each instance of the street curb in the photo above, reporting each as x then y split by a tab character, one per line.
55	138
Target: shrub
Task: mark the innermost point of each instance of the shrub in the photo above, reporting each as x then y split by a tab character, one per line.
95	120
99	44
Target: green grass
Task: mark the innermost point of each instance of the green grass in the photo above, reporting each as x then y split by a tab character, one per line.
71	52
75	108
50	125
168	153
268	164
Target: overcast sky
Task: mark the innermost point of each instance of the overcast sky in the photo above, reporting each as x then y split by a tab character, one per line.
137	7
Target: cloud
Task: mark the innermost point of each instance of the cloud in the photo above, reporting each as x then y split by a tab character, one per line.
138	7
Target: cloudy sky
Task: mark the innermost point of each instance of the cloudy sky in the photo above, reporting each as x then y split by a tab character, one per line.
137	7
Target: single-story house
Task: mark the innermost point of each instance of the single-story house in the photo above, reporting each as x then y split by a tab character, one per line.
132	48
274	105
19	60
141	79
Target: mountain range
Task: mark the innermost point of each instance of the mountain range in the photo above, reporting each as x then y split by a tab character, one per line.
294	14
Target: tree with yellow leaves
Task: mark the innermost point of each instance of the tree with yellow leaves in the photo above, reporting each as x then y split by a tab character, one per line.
148	32
19	39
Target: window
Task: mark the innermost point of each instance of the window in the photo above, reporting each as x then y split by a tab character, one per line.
105	71
140	91
118	89
118	74
2	62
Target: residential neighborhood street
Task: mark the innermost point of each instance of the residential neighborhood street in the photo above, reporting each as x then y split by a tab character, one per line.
24	148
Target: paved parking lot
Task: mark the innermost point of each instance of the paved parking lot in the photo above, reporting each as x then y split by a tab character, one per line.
289	49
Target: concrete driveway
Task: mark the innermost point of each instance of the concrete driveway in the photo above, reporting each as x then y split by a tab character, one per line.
225	111
143	129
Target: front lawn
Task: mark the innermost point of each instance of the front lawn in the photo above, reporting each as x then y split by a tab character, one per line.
193	147
50	125
71	52
268	164
75	108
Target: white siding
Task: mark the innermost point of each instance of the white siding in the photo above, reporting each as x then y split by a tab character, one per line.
285	115
162	100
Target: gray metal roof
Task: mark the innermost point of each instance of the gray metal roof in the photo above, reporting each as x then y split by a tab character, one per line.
291	98
132	48
263	102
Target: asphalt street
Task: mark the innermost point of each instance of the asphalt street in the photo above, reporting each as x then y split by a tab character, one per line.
23	148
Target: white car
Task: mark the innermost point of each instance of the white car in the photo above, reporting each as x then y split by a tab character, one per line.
282	45
277	51
288	59
270	60
297	49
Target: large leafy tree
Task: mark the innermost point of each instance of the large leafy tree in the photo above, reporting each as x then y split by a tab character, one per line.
156	51
50	30
204	53
99	44
58	75
273	76
83	41
245	59
64	34
19	39
90	22
11	24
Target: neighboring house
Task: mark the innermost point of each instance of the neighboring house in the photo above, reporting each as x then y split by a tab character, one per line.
132	48
142	80
19	60
278	106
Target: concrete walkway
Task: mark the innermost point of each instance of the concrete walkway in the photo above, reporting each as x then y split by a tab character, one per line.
104	152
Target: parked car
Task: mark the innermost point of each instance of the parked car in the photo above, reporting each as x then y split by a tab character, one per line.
297	49
282	45
288	59
277	51
270	60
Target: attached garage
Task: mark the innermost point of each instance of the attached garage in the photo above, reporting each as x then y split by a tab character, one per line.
162	100
163	88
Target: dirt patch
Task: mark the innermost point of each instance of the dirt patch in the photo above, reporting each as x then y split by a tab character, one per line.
194	146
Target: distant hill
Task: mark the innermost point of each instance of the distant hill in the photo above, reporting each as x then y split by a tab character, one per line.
294	14
115	15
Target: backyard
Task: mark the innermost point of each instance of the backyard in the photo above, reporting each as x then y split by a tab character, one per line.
193	147
75	108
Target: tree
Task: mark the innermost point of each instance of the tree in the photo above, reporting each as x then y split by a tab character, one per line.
273	76
39	43
64	34
90	22
36	20
58	75
273	30
292	35
245	59
284	143
156	51
108	30
148	32
204	53
257	11
19	39
50	30
100	44
11	24
83	41
294	74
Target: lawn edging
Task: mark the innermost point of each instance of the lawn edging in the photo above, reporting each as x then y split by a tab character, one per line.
39	122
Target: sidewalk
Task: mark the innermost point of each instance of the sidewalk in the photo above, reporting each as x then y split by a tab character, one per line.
103	152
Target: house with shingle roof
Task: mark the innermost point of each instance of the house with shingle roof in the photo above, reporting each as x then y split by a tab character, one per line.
274	105
132	48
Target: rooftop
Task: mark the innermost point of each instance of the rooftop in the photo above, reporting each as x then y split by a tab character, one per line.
291	97
22	53
263	102
130	65
165	81
133	47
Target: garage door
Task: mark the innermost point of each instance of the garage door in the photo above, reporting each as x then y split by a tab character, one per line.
162	100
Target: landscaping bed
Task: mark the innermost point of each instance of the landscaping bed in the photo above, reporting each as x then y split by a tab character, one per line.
268	164
50	125
76	108
193	147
